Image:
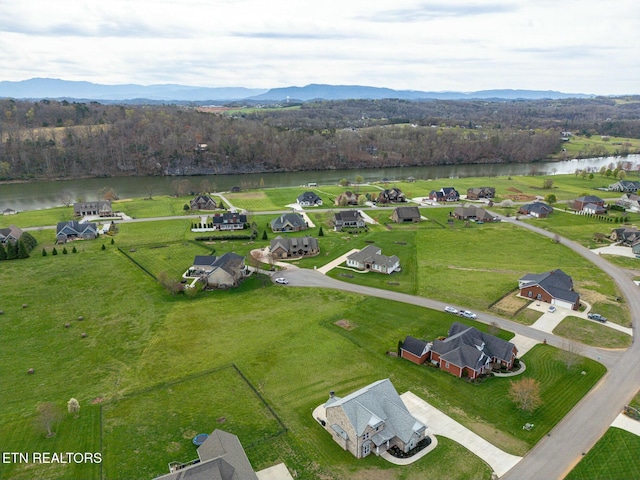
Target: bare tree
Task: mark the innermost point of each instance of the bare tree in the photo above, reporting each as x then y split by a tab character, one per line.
493	328
570	353
526	394
48	415
171	284
66	197
73	407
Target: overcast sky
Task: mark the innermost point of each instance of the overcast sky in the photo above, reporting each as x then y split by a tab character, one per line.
577	46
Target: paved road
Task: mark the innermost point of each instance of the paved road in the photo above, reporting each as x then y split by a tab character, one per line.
592	416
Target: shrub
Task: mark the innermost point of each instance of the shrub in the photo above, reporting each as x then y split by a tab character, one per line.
64	250
44	252
54	251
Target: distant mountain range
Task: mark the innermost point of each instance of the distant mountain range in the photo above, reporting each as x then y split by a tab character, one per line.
41	88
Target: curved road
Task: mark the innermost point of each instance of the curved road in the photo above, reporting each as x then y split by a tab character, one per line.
556	454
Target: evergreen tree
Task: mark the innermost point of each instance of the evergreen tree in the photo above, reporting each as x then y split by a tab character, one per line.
22	249
103	247
64	250
54	251
112	241
12	251
44	252
3	252
264	235
320	232
28	240
74	249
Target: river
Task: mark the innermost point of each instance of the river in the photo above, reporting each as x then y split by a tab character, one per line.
47	194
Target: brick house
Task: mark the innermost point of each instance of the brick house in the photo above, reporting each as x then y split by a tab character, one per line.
203	202
478	193
445	194
554	287
581	203
415	350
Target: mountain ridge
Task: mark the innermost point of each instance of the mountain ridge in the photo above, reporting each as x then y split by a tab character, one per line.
40	88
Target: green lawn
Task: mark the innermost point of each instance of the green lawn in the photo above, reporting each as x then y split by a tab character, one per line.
591	333
614	457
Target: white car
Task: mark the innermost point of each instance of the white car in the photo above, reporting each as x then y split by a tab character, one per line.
467	314
451	310
281	280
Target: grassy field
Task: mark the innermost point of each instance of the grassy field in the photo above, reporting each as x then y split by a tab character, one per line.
582	146
591	333
614	457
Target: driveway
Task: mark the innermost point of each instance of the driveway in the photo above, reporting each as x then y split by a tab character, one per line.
334	263
440	424
615	250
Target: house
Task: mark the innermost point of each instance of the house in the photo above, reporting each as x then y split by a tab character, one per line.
225	271
625	235
627	186
406	215
74	230
536	209
415	350
348	219
235	189
294	247
581	202
370	258
288	222
10	234
445	194
630	201
347	198
593	209
468	352
480	192
372	419
220	457
229	221
554	287
473	213
101	208
203	202
309	199
391	195
9	211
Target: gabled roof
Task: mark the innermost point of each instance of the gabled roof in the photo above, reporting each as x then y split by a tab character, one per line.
414	345
348	215
10	232
73	227
204	260
375	404
372	254
294	243
557	283
309	197
230	217
293	219
589	199
537	207
407	212
229	262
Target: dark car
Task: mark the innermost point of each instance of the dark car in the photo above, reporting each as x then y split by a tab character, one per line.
597	316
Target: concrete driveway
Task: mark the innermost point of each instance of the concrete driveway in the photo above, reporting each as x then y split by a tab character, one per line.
443	425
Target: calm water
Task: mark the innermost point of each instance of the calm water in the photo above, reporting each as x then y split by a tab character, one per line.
37	195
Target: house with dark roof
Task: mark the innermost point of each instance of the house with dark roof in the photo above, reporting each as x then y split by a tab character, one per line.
348	219
9	211
581	203
372	420
229	221
445	194
554	287
406	215
288	222
294	247
625	236
309	199
627	186
468	352
74	230
473	213
101	208
391	195
630	201
478	193
370	259
203	202
346	198
415	350
224	271
536	209
10	234
220	457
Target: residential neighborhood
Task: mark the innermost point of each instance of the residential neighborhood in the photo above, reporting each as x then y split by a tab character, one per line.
371	259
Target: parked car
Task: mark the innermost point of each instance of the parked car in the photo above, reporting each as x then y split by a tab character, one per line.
282	281
467	314
552	309
451	310
597	316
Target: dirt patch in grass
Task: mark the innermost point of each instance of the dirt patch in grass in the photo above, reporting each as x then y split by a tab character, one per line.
514	190
592	297
509	305
521	198
346	324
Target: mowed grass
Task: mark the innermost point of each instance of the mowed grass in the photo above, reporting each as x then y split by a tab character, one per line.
591	333
614	457
169	416
172	258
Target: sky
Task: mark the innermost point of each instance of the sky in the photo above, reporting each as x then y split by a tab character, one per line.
573	46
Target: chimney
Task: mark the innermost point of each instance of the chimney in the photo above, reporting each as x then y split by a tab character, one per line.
332	394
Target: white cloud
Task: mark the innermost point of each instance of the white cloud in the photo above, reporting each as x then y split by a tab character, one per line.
574	46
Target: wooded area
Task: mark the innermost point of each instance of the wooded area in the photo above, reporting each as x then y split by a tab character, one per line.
58	139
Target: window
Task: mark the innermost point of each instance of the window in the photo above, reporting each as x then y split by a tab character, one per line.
539	297
366	449
530	294
366	435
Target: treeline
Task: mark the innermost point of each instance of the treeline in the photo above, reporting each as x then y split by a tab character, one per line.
51	139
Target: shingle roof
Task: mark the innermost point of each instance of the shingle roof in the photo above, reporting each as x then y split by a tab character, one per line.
372	254
408	212
414	345
589	199
348	215
557	283
309	197
293	219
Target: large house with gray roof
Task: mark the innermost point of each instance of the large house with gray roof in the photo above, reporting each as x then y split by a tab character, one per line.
101	208
473	213
74	230
10	234
370	259
372	420
220	457
468	352
294	247
536	209
348	219
406	215
288	222
554	287
627	186
309	199
224	271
